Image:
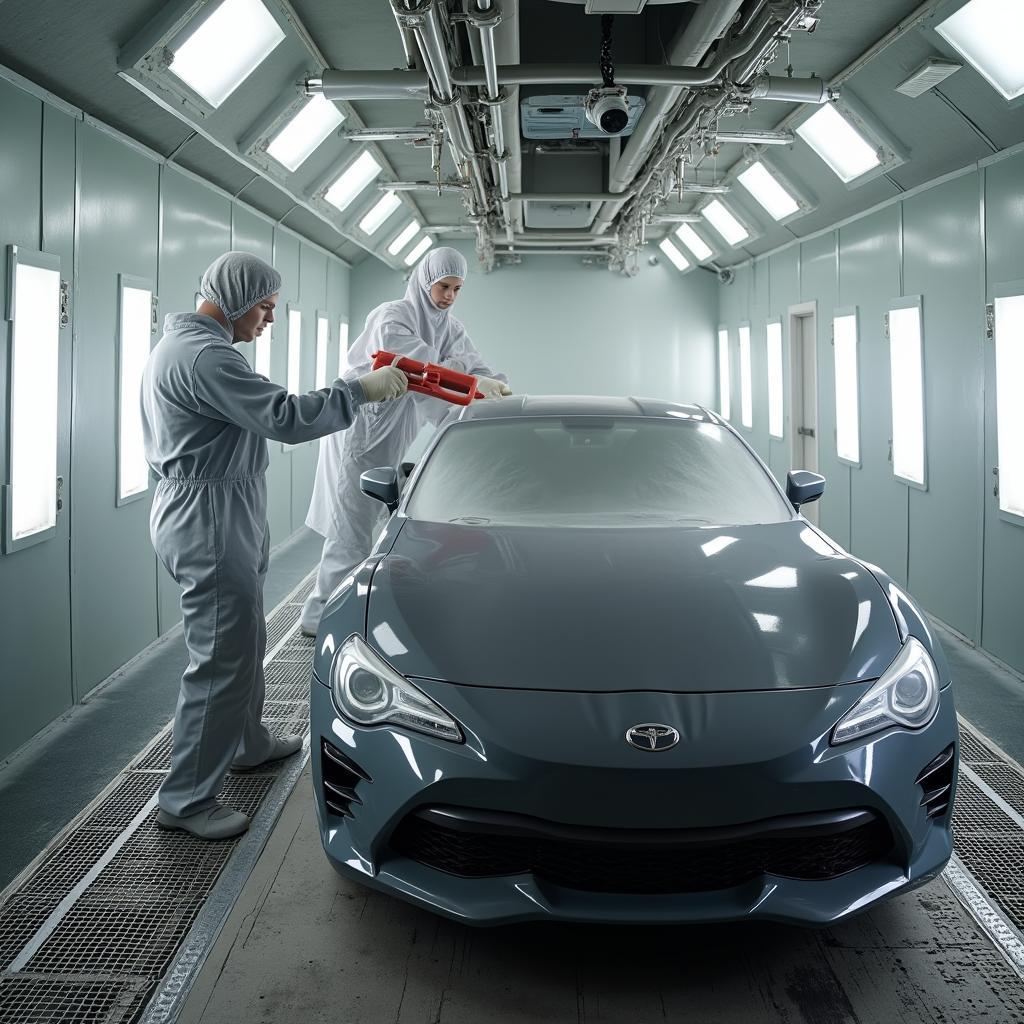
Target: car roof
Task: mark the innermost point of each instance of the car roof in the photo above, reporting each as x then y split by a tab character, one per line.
519	406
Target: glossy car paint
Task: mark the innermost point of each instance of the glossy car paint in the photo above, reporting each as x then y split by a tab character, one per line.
546	649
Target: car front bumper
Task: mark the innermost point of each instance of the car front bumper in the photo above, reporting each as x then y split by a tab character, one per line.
560	758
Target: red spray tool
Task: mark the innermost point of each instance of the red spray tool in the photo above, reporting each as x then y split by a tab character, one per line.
431	379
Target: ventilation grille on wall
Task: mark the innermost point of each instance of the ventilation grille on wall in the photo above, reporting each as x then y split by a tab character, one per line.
927	76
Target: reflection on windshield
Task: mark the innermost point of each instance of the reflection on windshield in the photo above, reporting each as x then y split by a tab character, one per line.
594	471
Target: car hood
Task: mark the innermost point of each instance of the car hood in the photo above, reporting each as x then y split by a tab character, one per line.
594	609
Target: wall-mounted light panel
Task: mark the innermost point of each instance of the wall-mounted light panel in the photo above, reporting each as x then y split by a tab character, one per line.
694	242
1009	344
906	366
380	212
33	307
746	379
322	332
418	250
135	325
262	359
294	350
845	148
212	68
353	180
342	349
844	338
775	396
724	376
679	261
725	222
305	132
990	34
404	237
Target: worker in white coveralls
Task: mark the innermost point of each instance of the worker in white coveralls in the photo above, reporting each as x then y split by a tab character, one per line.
205	417
420	326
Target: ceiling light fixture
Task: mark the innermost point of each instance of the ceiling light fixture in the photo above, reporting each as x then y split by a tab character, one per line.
297	140
353	180
838	143
990	34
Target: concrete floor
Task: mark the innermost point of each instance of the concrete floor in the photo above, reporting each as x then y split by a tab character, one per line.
303	944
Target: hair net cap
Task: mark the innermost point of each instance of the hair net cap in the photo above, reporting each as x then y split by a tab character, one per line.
236	281
438	263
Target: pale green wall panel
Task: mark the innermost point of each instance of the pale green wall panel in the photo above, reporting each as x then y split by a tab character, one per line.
113	568
783	284
942	263
1003	599
252	233
869	275
819	283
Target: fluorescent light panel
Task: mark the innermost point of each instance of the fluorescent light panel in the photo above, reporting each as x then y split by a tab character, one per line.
408	233
990	34
322	327
723	374
294	350
226	48
353	180
380	212
298	139
132	469
724	222
418	250
838	143
774	345
768	191
844	335
343	364
746	382
680	261
700	249
1009	339
907	388
262	366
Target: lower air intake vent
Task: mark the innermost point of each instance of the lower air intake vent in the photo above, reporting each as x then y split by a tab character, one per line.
936	779
341	775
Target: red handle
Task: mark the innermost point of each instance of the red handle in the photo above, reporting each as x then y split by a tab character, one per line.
431	379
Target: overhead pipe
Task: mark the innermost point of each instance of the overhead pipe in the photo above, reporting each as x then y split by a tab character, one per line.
369	85
485	19
791	90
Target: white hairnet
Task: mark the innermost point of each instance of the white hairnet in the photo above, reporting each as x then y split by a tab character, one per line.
440	262
236	281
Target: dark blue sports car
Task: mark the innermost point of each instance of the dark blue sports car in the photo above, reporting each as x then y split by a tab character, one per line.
599	668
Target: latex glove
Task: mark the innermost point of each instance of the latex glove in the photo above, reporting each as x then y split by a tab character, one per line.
491	388
384	384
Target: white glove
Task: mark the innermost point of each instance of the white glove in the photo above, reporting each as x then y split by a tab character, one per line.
384	384
491	388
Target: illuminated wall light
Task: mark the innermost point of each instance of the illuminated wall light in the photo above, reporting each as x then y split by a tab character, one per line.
343	364
353	180
33	406
1009	343
774	346
322	329
380	212
700	249
844	334
405	236
724	222
907	389
990	34
133	351
768	191
294	350
680	261
418	250
213	69
300	137
724	379
838	143
262	361
746	380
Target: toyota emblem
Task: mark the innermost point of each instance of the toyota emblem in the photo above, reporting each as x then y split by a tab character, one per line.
652	737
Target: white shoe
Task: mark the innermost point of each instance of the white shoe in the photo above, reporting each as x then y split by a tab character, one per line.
307	632
216	822
284	746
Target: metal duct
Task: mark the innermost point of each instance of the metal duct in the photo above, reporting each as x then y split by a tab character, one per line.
370	85
790	90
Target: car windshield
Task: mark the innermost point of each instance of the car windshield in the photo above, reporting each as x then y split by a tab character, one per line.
586	471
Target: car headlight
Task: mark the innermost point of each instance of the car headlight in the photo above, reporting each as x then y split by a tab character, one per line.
906	695
370	692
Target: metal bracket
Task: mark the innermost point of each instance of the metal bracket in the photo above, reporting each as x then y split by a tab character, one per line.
990	322
995	485
65	303
805	431
60	493
154	314
885	334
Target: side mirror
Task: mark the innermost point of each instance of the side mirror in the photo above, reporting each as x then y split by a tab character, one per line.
803	486
381	483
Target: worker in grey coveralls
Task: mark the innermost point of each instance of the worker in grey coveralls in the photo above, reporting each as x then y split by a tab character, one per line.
205	416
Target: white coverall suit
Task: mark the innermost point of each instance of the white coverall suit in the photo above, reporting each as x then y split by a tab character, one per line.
205	416
412	327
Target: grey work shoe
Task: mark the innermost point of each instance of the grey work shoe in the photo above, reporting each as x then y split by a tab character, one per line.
216	822
307	632
284	746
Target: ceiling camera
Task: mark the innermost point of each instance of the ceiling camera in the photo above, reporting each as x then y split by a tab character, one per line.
607	109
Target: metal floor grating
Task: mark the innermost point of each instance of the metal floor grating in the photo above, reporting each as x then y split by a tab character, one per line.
95	921
975	751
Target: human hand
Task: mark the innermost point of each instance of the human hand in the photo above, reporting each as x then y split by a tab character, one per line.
491	388
384	384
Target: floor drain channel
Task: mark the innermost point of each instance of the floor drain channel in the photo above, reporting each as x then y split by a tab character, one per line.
88	930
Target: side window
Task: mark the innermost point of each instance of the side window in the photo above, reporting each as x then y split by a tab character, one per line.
134	337
1009	340
844	339
906	365
775	392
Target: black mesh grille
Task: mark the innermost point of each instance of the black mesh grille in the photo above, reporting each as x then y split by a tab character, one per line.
629	867
340	776
936	781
